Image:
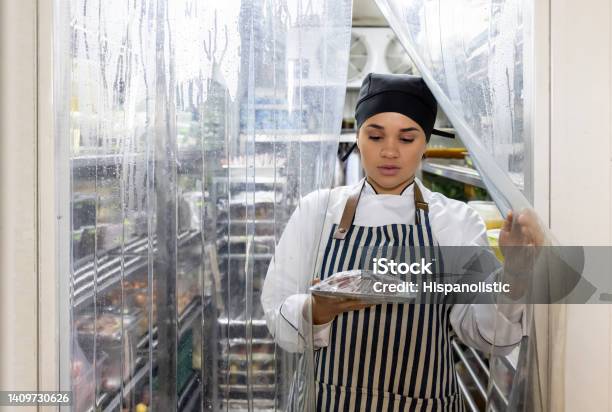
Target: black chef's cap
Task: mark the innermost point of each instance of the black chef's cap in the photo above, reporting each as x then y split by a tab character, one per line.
401	93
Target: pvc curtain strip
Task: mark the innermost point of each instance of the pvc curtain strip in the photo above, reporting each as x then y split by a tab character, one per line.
470	54
444	77
475	58
191	130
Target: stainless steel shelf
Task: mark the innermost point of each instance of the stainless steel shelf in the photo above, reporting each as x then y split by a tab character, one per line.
467	395
111	257
191	402
266	388
244	255
234	322
458	173
191	390
109	272
221	223
246	238
255	374
480	378
186	318
348	137
255	341
476	378
189	314
140	374
242	357
463	174
238	405
235	240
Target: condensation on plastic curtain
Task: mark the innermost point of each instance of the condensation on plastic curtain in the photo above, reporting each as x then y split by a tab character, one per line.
189	132
475	58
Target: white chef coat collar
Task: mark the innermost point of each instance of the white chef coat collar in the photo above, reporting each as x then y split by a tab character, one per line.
408	190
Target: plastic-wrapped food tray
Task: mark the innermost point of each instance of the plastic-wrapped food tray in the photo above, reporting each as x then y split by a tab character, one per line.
366	286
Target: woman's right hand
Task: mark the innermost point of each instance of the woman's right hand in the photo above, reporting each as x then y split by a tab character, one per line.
325	309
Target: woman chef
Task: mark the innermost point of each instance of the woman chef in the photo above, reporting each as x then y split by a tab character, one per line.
387	356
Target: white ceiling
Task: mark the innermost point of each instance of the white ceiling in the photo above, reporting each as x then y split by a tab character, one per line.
366	13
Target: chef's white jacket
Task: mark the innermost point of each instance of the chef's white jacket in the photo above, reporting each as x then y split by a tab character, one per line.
302	243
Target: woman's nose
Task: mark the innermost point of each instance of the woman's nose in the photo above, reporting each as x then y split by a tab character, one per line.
389	151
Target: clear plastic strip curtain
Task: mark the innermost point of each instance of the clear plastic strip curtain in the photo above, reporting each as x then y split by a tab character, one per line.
189	132
476	58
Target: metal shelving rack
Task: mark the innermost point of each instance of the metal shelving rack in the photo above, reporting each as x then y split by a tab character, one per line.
110	401
110	267
239	384
474	377
240	387
94	277
143	365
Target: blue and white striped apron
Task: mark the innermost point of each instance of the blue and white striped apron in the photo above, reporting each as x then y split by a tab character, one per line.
388	357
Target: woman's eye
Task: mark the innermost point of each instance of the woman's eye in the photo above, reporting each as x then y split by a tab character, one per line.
407	140
374	137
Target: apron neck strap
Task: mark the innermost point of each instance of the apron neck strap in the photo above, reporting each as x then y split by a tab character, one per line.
348	214
419	203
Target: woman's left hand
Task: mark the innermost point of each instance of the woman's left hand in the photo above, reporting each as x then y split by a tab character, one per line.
520	240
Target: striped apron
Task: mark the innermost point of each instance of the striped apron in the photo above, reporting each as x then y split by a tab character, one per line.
388	357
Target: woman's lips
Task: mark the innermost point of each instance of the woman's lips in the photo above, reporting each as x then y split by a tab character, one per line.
388	170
